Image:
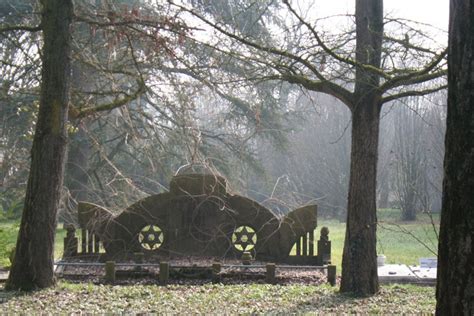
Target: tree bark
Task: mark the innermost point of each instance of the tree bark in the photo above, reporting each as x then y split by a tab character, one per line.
455	286
33	263
409	212
359	261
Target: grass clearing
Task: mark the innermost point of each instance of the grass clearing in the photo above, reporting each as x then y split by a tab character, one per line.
89	298
8	235
392	238
69	298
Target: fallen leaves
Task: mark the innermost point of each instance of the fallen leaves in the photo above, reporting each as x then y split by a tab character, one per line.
87	298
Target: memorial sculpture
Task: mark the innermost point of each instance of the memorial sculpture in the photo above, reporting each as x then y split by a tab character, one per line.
199	217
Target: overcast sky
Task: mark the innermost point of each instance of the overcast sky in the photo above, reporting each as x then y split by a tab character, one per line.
434	12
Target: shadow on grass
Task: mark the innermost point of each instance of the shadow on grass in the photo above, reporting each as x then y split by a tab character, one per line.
331	302
393	299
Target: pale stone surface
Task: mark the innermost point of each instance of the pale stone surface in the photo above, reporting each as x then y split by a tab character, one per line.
3	275
393	273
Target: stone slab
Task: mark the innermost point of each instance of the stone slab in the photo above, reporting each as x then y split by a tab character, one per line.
3	275
401	273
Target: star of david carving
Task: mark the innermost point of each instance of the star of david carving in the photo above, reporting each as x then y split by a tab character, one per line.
151	237
244	238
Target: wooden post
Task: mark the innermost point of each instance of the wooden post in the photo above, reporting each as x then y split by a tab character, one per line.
70	242
332	275
311	243
216	269
271	273
90	248
164	273
83	241
96	243
110	271
298	247
324	247
305	245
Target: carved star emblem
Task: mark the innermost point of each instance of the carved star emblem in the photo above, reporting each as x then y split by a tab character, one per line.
151	237
244	238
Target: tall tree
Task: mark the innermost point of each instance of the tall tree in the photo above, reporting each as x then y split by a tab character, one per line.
33	263
375	73
455	287
359	271
116	45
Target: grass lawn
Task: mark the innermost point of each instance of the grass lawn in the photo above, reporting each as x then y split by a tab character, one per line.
397	240
8	235
68	298
393	241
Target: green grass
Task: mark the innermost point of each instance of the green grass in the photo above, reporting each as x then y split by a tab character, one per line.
398	246
8	236
67	298
395	239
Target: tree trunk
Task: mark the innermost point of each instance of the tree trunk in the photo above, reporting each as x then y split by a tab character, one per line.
33	263
455	287
407	196
359	262
384	192
409	213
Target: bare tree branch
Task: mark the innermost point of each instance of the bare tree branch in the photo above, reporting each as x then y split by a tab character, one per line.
272	50
419	76
319	86
26	28
83	112
411	94
331	52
